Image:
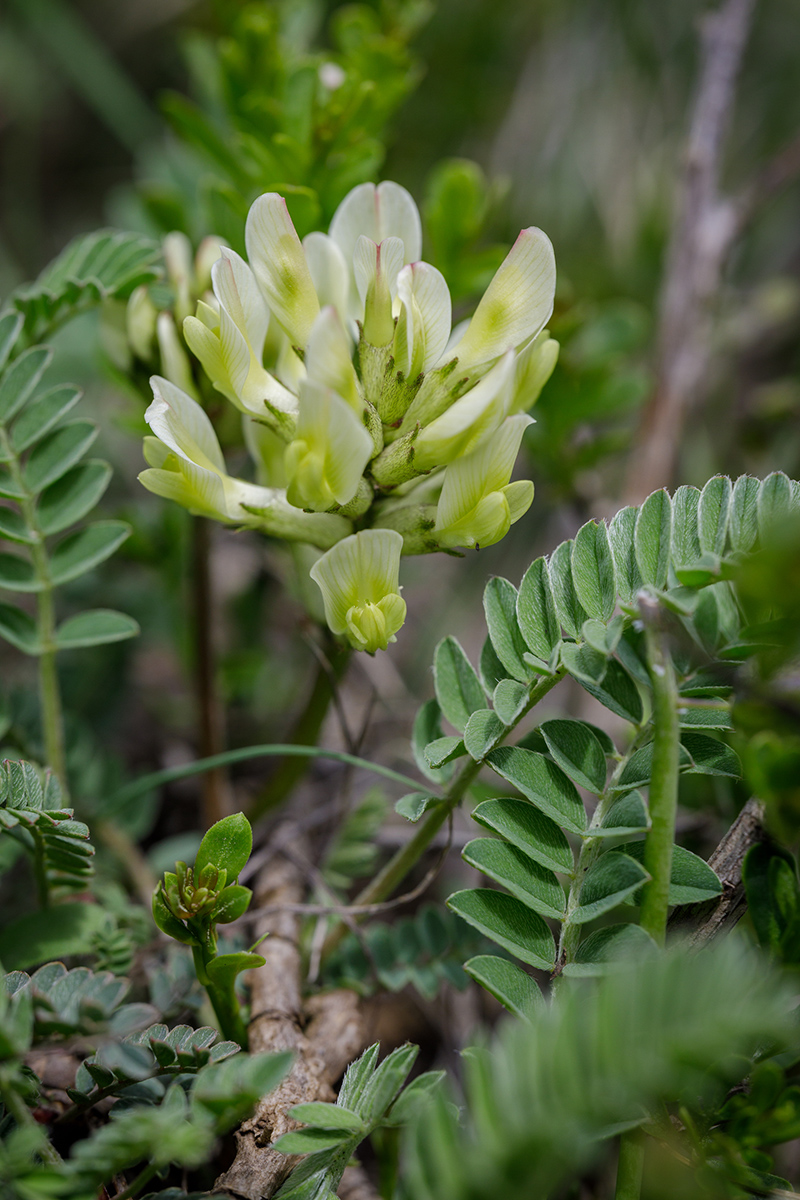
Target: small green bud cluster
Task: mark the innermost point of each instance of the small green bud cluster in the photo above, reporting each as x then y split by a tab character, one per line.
366	413
188	898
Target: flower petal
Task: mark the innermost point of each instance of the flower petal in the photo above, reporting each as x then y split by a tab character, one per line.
387	210
517	303
183	426
279	264
358	572
468	420
328	358
330	272
535	364
424	320
332	447
486	470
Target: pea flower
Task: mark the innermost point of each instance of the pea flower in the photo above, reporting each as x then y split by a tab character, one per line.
358	579
360	402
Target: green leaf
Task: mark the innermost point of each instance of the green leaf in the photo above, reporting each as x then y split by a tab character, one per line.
327	1116
603	638
593	571
613	878
531	883
79	552
508	922
492	670
166	920
232	903
508	983
705	717
483	732
712	515
223	969
541	782
610	945
38	419
426	730
227	845
98	627
526	827
711	757
18	628
569	609
686	547
774	501
9	488
510	700
743	522
536	611
628	814
500	607
620	536
652	538
381	1090
413	805
14	528
458	688
72	496
691	880
50	933
59	451
10	327
17	574
769	874
577	751
617	692
443	750
20	380
584	663
639	768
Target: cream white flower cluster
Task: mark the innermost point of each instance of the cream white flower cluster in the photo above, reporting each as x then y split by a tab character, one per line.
377	429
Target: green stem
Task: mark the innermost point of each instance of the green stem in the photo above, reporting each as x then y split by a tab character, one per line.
630	1166
40	870
664	777
223	1000
49	691
144	1176
409	855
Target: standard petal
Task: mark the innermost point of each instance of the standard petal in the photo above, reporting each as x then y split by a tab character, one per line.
279	264
330	271
377	261
517	303
387	210
183	426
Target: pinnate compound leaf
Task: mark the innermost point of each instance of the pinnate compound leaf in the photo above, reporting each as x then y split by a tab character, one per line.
508	983
458	689
607	946
508	922
483	732
613	878
593	571
712	515
59	451
74	495
569	610
79	552
531	883
227	845
743	522
543	783
577	751
524	826
536	611
691	880
500	607
98	627
626	568
652	538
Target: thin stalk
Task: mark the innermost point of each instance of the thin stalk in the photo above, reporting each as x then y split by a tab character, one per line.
144	1176
407	857
49	691
223	1000
210	713
40	871
630	1166
664	777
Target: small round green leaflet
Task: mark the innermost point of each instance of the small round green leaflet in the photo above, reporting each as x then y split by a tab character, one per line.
691	879
536	611
458	688
534	885
712	514
500	607
227	846
652	538
520	823
578	752
612	879
508	983
509	922
627	814
607	946
543	783
593	571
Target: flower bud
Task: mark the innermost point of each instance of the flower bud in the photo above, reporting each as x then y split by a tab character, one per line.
358	579
140	321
